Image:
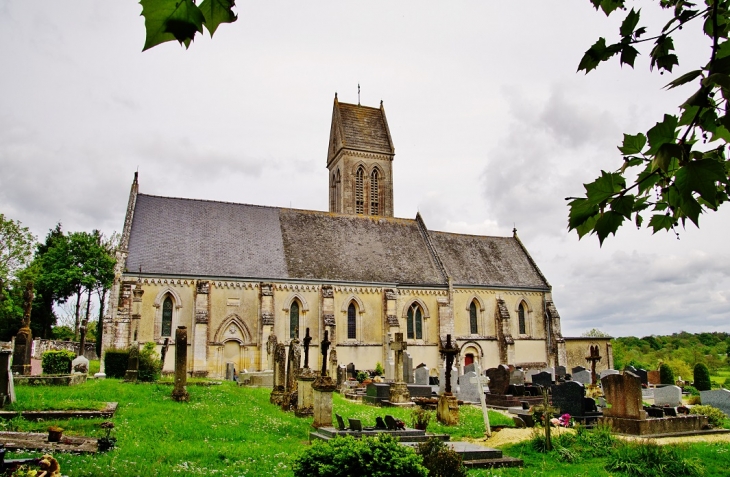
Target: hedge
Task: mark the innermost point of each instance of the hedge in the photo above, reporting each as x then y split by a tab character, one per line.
57	362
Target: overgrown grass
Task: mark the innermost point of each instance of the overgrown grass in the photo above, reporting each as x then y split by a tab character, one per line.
231	430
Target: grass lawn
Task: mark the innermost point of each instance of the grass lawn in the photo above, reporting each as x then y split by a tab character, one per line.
231	430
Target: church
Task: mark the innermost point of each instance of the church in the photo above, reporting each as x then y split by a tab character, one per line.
243	277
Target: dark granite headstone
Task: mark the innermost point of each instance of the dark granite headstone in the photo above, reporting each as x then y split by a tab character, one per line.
351	371
644	375
569	398
560	371
498	379
543	379
630	369
516	389
577	369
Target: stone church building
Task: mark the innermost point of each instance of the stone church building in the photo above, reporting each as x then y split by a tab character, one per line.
240	276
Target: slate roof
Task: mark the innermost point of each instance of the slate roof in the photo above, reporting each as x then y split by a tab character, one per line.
482	260
186	237
364	128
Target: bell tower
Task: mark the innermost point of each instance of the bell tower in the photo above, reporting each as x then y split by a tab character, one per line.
360	161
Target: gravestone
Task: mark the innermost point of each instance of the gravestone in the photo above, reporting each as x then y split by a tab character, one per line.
719	398
583	377
447	409
498	379
468	391
517	377
630	369
421	374
608	372
322	389
24	338
7	385
230	371
543	379
560	371
180	392
643	375
568	397
279	387
351	371
333	368
469	368
668	396
407	368
133	364
529	374
294	360
442	379
653	377
341	376
623	393
80	365
577	369
549	370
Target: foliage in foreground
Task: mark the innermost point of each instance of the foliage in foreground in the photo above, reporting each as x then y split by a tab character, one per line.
648	459
440	459
380	456
715	416
150	364
573	447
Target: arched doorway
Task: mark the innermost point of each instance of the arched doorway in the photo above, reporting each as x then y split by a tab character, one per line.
468	359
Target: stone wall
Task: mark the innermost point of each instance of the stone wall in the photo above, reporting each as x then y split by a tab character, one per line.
578	348
41	346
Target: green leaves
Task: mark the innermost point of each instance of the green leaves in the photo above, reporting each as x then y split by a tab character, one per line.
661	58
662	133
608	6
167	20
632	144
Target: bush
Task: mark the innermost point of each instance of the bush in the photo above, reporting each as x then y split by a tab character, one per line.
150	364
702	377
691	390
379	370
651	460
715	416
57	362
380	456
666	375
361	376
440	459
115	362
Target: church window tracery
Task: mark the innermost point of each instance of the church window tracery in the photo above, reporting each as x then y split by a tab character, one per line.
359	191
374	193
166	317
414	322
351	322
521	319
294	319
473	329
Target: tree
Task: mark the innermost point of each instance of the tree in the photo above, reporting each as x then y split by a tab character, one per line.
16	250
168	20
677	170
666	375
595	333
702	377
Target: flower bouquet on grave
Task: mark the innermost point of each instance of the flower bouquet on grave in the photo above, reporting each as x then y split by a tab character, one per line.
107	442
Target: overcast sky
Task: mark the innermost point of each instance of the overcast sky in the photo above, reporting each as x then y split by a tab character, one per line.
492	127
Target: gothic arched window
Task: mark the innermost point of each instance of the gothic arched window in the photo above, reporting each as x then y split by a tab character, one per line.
414	322
338	192
351	322
359	191
167	317
473	318
521	318
374	193
294	320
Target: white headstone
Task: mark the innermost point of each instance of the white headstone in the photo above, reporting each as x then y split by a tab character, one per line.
80	365
422	375
719	398
468	390
668	396
517	376
583	377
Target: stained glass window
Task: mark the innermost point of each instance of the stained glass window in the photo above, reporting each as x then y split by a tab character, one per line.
167	317
293	319
351	315
473	318
521	314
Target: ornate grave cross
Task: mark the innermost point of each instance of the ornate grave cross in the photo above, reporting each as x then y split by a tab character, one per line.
548	412
449	351
307	340
480	381
594	357
325	344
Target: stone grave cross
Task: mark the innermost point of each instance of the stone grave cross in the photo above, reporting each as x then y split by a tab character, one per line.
325	344
449	351
399	346
307	340
480	381
594	357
